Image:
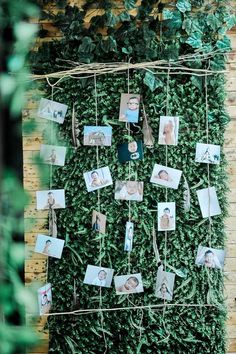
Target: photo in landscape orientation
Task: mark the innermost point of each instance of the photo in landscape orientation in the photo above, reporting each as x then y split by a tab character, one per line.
52	110
98	276
97	135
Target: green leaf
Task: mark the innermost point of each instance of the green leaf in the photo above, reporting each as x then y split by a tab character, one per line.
87	45
197	81
195	40
224	44
152	81
167	14
183	5
130	4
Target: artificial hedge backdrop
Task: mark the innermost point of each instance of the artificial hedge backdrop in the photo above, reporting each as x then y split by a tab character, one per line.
157	31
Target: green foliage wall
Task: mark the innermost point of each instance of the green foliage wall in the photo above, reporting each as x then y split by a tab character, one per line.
177	329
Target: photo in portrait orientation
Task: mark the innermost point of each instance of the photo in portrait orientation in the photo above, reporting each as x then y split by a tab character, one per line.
208	202
45	299
99	276
129	190
52	110
164	284
129	107
50	246
53	155
98	178
54	199
128	284
166	176
99	222
97	135
130	151
168	130
129	234
210	257
166	216
207	153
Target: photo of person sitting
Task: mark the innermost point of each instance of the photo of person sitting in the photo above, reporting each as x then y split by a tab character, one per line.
97	181
131	113
131	190
52	158
129	286
129	237
166	220
51	202
168	131
100	280
99	178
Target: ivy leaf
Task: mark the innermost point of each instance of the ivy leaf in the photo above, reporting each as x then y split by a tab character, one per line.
111	19
230	20
152	81
128	50
124	16
213	21
195	40
197	82
224	43
130	4
183	5
109	45
167	14
87	45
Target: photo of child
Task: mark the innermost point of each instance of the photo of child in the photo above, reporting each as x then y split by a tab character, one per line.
166	216
54	199
45	299
210	257
98	276
49	246
207	153
52	110
129	108
99	222
128	284
97	135
208	202
130	151
129	233
164	285
53	155
168	130
129	190
97	179
166	176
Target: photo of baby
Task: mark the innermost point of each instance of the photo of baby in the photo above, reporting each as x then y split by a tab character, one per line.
130	151
166	216
50	246
53	155
52	110
128	284
210	257
54	199
164	285
45	299
207	153
208	202
99	222
98	178
98	276
97	135
129	108
166	176
129	190
168	130
129	233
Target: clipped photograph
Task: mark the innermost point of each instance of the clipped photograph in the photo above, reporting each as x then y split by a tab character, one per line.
164	284
129	190
210	257
99	222
208	202
166	216
98	178
128	284
97	135
168	130
130	151
53	155
98	276
129	233
166	176
45	299
50	246
207	153
52	110
54	199
129	108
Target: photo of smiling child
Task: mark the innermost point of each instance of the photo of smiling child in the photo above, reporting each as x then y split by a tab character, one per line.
97	179
168	130
128	284
129	190
166	176
166	216
129	108
50	246
98	276
129	233
130	151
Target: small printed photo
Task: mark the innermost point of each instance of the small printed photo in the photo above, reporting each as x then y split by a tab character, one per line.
164	284
53	155
54	199
97	135
130	151
128	284
52	110
99	222
50	246
98	178
168	130
45	299
166	216
129	108
208	202
129	233
207	153
98	276
166	176
210	257
129	190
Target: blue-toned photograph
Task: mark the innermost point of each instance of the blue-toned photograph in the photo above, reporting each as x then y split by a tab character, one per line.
129	108
97	135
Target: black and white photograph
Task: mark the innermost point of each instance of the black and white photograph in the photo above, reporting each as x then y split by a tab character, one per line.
97	135
50	199
129	234
130	151
168	130
98	276
210	257
129	108
164	284
166	176
52	110
207	153
45	299
128	284
50	246
166	216
208	202
53	155
129	190
99	222
97	179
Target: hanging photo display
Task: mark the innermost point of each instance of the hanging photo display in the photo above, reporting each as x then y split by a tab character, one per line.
129	234
208	202
129	108
128	284
52	110
164	284
97	135
210	257
98	178
207	153
98	276
166	216
53	155
166	176
130	151
50	199
129	190
45	299
49	246
168	130
99	222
